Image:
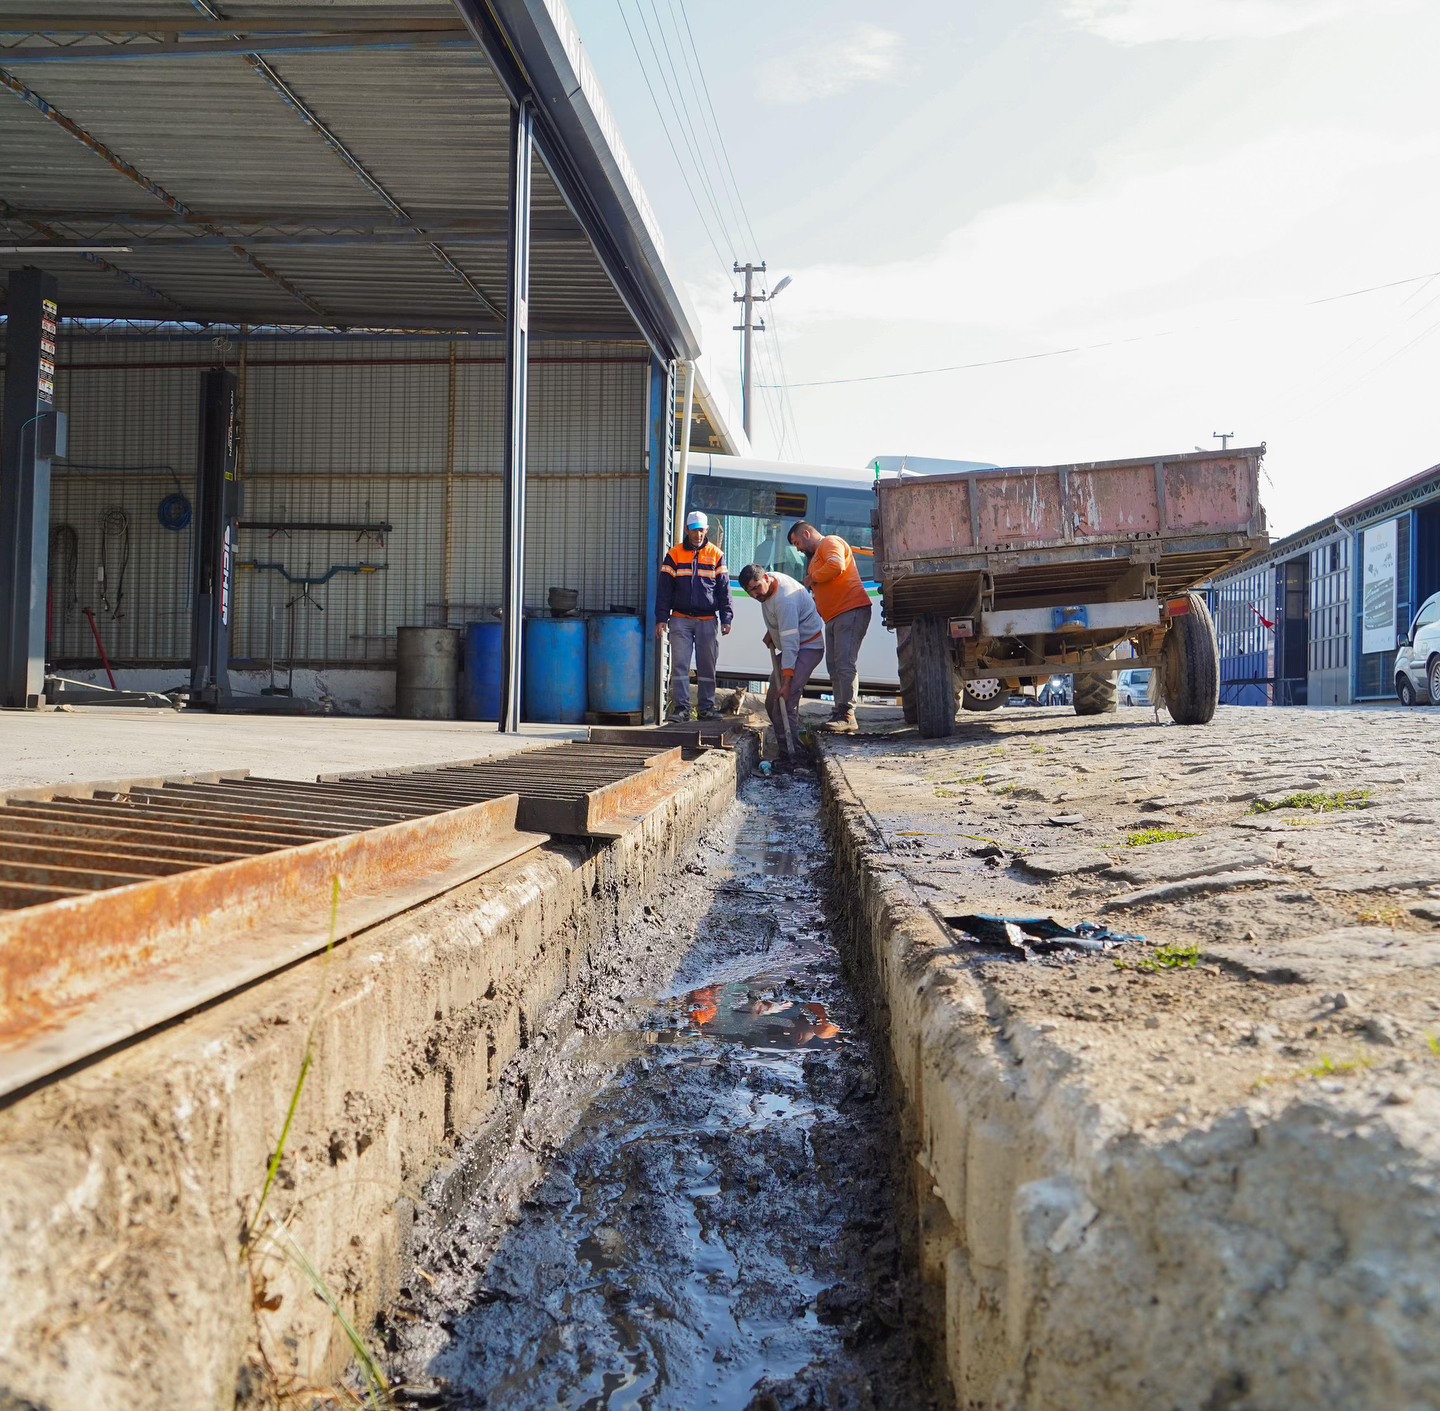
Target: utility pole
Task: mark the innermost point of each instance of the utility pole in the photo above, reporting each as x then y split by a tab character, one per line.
1224	438
749	299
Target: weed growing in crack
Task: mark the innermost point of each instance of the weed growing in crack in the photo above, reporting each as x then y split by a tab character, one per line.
1331	802
1165	958
1146	836
1381	916
1328	1068
253	1237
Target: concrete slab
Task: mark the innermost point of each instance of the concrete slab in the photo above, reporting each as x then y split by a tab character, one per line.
52	747
1199	1169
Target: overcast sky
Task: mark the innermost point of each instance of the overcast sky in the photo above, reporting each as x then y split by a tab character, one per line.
953	183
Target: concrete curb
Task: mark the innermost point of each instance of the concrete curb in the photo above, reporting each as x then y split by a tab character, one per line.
127	1185
1284	1256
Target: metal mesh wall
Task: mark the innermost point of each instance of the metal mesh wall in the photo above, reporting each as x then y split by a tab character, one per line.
408	431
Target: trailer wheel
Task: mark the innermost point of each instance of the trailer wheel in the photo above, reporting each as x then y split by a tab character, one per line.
934	676
906	659
989	694
1190	666
1095	695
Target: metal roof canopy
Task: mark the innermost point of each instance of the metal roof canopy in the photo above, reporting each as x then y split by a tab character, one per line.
339	166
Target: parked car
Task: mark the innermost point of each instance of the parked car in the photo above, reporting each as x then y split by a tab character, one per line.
1134	686
1417	657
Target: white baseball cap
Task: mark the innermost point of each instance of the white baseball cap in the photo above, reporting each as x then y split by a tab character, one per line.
696	520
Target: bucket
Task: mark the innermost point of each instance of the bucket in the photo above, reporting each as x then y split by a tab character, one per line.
555	677
427	668
563	601
616	666
480	671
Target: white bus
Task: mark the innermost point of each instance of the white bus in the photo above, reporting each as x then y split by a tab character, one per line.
751	505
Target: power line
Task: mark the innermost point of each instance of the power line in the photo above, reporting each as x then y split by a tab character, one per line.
682	121
694	200
1093	347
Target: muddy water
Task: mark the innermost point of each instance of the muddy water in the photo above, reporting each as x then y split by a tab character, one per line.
714	1227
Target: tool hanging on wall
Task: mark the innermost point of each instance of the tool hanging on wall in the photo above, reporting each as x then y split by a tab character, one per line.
114	525
65	567
312	580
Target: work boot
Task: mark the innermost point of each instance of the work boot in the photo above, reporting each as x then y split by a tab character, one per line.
708	715
840	725
678	717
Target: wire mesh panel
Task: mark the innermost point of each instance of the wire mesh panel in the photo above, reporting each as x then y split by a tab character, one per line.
371	489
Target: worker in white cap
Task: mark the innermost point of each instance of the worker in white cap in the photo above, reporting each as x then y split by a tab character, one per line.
692	603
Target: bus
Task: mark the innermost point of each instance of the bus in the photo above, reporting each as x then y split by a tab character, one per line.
751	505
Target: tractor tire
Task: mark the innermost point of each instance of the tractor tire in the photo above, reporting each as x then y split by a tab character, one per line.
906	660
991	694
1190	666
934	677
1095	695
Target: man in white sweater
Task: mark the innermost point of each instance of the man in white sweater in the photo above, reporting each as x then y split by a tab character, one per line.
794	627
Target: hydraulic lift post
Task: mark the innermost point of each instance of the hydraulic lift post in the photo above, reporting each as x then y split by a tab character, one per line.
217	514
33	432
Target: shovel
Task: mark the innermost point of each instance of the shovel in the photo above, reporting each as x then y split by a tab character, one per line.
778	682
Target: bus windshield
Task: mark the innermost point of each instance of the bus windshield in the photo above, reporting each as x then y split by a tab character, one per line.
750	520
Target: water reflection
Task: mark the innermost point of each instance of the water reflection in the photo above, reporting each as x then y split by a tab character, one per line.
741	1013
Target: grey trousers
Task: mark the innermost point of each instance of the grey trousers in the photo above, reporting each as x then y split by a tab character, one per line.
697	638
806	660
843	636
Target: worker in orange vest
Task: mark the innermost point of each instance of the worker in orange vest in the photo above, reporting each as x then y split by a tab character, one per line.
834	580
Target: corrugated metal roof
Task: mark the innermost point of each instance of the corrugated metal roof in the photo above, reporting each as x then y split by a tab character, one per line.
236	206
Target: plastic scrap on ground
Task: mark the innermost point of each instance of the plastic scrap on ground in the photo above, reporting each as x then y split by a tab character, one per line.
1041	935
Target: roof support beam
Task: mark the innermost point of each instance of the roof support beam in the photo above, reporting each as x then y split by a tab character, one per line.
278	21
377	239
568	182
132	173
517	413
251	44
312	120
53	240
550	225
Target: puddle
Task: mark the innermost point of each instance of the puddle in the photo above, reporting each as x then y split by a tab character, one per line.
716	1230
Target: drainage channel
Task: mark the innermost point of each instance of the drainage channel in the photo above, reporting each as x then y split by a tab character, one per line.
699	1208
124	905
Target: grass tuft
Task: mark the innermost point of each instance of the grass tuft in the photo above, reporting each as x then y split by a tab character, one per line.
1146	836
1331	802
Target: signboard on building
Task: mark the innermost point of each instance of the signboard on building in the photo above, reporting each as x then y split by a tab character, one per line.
1378	624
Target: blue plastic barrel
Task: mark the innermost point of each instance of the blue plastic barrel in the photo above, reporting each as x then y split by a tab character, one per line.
480	671
617	655
554	670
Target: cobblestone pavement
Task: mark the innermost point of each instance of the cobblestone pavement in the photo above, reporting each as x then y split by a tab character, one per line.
1297	851
1197	1170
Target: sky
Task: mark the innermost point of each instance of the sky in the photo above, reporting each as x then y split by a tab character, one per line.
1136	213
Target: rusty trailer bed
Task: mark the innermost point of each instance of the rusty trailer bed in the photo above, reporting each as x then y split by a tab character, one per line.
1052	534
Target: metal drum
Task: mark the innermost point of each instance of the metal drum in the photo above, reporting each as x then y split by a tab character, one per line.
427	670
555	676
480	671
616	646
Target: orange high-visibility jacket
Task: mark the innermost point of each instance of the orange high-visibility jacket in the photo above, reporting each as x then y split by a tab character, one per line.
835	580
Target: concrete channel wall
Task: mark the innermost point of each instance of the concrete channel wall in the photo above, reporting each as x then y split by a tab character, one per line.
127	1188
1275	1257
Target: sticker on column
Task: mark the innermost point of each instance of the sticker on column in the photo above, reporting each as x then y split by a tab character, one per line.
522	314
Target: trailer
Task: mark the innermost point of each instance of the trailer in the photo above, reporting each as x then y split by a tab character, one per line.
996	580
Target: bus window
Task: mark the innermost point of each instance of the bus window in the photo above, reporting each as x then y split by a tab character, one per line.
847	513
749	522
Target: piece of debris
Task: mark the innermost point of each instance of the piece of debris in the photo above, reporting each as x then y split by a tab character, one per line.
1065	820
1040	935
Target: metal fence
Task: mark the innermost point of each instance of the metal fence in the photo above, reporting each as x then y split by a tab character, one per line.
356	431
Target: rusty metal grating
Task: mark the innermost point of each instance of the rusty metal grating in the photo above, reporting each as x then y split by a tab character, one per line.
124	905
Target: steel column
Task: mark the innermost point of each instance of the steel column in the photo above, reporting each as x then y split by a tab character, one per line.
29	430
660	387
217	512
517	407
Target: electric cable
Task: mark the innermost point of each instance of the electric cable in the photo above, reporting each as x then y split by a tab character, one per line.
114	525
1093	347
65	566
665	127
682	113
